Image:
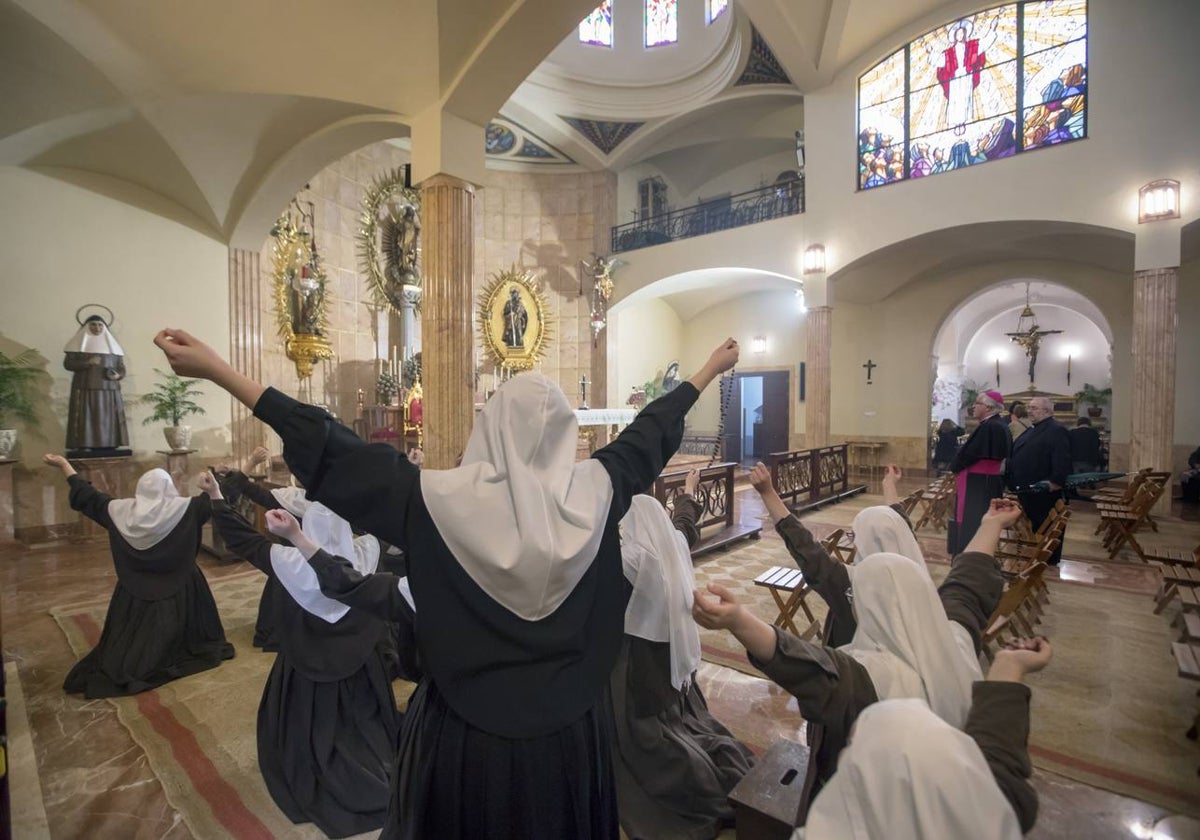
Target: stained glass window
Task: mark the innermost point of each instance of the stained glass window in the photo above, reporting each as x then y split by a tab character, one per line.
662	23
714	9
596	28
983	87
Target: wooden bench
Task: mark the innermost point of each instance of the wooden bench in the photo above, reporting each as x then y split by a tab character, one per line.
715	495
1178	580
768	801
779	579
1189	628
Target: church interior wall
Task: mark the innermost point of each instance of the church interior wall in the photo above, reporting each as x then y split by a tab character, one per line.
1187	366
898	334
337	193
774	315
548	224
646	338
1132	140
65	247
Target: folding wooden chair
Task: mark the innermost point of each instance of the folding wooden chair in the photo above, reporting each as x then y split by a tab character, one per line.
1008	616
909	502
1122	522
779	579
839	546
1174	557
935	501
1121	495
1182	581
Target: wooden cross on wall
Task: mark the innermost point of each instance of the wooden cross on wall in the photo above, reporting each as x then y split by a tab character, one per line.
583	386
870	366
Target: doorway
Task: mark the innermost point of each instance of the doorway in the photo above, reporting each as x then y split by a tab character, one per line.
759	416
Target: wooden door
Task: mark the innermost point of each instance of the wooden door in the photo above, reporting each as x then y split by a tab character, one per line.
776	413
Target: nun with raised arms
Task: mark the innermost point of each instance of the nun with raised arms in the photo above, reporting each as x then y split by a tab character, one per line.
909	775
327	721
514	562
162	621
911	640
877	529
674	762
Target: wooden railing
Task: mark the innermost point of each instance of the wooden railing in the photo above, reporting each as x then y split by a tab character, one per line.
714	493
698	444
809	475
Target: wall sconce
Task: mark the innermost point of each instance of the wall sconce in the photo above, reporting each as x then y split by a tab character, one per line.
1158	200
814	259
758	345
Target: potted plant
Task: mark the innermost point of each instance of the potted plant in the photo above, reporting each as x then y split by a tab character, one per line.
17	375
1096	398
172	401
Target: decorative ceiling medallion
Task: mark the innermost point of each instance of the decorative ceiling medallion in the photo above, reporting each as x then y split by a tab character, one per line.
602	134
763	68
504	139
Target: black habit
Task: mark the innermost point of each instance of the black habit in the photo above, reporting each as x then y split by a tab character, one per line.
977	466
509	733
327	721
162	621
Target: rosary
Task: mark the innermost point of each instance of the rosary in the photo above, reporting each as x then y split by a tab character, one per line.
727	383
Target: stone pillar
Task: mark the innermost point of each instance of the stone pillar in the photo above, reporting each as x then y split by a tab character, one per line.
447	340
7	502
819	342
245	344
1155	324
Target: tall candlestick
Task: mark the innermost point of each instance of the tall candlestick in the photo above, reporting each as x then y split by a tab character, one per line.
1068	370
997	373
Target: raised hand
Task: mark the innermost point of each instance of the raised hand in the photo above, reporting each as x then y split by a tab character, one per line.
189	356
283	524
760	479
720	613
724	357
892	474
56	460
260	455
1020	657
416	457
207	482
1002	512
691	481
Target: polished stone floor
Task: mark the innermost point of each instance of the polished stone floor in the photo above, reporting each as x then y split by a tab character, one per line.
96	783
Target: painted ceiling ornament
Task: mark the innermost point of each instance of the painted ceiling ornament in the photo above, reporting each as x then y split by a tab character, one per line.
514	320
301	307
762	67
506	139
389	241
605	135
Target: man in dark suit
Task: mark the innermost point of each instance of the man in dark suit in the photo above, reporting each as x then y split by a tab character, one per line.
1041	454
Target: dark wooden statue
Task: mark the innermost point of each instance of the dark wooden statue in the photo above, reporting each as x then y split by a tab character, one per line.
96	416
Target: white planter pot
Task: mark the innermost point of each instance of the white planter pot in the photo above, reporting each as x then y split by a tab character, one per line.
178	437
8	442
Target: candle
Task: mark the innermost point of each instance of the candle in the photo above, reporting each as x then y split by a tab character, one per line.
997	373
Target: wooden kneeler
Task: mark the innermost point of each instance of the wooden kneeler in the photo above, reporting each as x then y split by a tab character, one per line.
767	802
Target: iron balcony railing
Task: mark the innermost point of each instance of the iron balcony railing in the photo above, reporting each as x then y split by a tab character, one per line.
758	205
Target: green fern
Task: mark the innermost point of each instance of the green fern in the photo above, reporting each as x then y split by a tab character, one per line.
17	378
172	400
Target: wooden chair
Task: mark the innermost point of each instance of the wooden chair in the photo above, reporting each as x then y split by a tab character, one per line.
1122	495
935	501
1017	545
1181	581
1187	659
840	547
1174	557
382	424
1121	522
909	502
1018	611
414	413
779	579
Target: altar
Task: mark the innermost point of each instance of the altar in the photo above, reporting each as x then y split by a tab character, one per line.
597	424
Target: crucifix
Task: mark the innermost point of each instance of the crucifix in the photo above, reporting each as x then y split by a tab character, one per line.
870	366
583	386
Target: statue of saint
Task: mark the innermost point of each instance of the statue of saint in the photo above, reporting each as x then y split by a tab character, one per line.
96	415
670	380
516	319
401	231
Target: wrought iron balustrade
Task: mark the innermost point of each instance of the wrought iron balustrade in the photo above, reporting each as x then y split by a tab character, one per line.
747	208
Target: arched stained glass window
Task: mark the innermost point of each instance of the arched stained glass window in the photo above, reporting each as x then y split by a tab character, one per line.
987	86
662	23
597	28
714	9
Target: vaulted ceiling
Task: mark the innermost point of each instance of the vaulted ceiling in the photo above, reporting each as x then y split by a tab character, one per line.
211	113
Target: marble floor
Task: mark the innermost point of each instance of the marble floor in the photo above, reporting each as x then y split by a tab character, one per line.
95	782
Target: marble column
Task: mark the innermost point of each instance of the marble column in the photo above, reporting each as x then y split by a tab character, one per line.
819	340
1155	324
245	344
7	501
447	339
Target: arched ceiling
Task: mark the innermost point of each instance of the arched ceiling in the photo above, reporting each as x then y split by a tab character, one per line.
883	272
198	111
692	292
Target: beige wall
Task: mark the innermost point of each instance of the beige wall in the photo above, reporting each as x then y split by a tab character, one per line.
64	247
643	340
774	315
547	224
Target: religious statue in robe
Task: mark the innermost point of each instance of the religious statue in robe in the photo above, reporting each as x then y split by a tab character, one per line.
401	226
516	319
96	413
962	62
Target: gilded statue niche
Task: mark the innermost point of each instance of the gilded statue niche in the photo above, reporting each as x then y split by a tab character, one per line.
301	307
514	322
389	241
